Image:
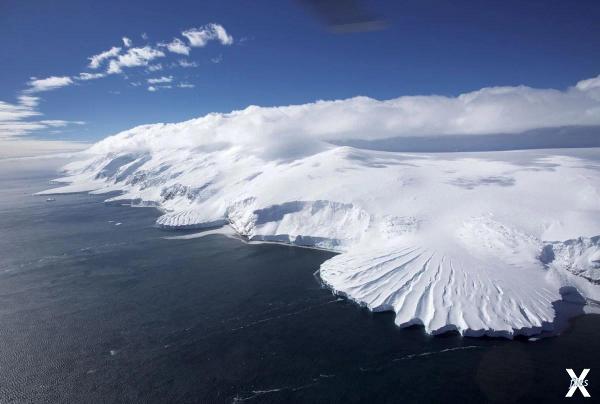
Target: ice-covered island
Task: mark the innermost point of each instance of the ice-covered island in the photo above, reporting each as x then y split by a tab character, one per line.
480	243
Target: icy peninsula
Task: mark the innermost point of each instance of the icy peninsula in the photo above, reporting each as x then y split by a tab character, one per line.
478	243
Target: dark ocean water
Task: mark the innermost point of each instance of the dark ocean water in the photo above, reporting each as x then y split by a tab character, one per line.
91	311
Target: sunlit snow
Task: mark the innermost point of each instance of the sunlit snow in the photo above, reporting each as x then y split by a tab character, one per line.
480	243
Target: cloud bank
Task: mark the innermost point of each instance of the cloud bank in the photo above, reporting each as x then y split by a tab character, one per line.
50	83
299	129
18	148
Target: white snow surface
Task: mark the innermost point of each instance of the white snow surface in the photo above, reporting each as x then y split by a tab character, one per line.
480	243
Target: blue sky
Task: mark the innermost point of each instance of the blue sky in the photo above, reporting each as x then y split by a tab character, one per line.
281	54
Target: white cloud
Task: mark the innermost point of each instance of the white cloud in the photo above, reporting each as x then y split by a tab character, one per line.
155	67
96	60
28	101
89	76
157	85
17	112
222	35
177	46
199	37
57	123
186	63
144	36
134	57
127	42
47	84
217	59
163	79
12	129
16	119
185	85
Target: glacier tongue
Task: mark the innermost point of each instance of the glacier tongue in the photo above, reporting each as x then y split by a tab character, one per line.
450	241
445	292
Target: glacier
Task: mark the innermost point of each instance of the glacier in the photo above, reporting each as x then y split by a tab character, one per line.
476	243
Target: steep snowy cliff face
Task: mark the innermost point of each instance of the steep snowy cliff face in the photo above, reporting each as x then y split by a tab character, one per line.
478	243
580	257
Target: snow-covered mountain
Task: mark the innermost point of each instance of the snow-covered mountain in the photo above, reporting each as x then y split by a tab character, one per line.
481	243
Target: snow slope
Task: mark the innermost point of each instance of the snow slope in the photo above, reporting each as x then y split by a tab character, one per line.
480	243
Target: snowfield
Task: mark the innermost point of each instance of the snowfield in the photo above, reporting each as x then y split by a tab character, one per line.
480	243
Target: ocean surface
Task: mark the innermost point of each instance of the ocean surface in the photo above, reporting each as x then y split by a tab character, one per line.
98	305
